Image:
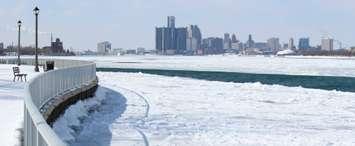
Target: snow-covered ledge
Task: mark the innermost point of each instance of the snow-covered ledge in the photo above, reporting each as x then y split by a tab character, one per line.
49	93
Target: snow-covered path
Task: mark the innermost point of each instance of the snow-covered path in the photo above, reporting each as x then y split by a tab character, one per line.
11	103
185	111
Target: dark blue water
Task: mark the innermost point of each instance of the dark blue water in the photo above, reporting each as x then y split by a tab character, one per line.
346	84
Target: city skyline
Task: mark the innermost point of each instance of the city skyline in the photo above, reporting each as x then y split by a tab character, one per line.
264	20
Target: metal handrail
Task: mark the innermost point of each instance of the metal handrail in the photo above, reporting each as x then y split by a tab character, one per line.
68	75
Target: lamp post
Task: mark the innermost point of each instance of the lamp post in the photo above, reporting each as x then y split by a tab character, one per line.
36	12
19	23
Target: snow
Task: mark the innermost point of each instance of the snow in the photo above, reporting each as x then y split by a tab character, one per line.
11	103
294	65
142	109
68	124
286	52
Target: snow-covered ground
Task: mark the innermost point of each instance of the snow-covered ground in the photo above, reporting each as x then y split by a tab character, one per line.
298	65
11	103
141	109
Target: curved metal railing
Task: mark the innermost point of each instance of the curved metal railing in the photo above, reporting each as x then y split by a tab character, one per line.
69	75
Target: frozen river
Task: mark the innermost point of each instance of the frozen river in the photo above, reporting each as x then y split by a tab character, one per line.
142	109
316	66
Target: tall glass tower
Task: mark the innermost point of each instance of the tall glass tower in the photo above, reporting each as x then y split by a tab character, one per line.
171	21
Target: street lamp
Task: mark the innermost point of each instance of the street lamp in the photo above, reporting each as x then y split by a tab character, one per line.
19	23
36	12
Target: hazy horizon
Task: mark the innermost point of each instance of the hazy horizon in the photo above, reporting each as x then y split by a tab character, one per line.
131	24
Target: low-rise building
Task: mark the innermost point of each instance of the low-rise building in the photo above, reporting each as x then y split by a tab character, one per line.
140	51
352	49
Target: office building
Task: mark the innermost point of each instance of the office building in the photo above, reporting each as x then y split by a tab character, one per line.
262	46
165	40
327	44
1	48
159	39
181	38
291	44
194	38
303	44
171	40
171	21
274	44
104	48
227	42
250	43
234	39
212	45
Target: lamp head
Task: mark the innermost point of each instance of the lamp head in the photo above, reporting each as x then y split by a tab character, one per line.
19	23
36	10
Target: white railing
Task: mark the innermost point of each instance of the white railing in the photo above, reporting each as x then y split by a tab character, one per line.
69	75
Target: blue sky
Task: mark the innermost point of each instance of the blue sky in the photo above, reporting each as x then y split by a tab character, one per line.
130	23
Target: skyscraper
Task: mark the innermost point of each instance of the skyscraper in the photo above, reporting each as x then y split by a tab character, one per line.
250	43
327	44
274	44
1	48
227	42
165	38
236	45
234	39
1	45
291	44
194	38
104	48
303	44
159	39
171	40
213	45
171	21
181	38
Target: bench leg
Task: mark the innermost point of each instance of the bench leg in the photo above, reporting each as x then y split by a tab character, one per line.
14	78
25	78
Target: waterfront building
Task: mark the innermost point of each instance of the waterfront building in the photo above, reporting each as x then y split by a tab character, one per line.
234	39
262	46
291	44
171	40
171	21
327	44
303	44
274	44
227	42
250	43
104	48
57	47
181	38
194	38
212	45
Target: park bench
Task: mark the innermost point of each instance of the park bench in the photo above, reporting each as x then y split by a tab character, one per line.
17	74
